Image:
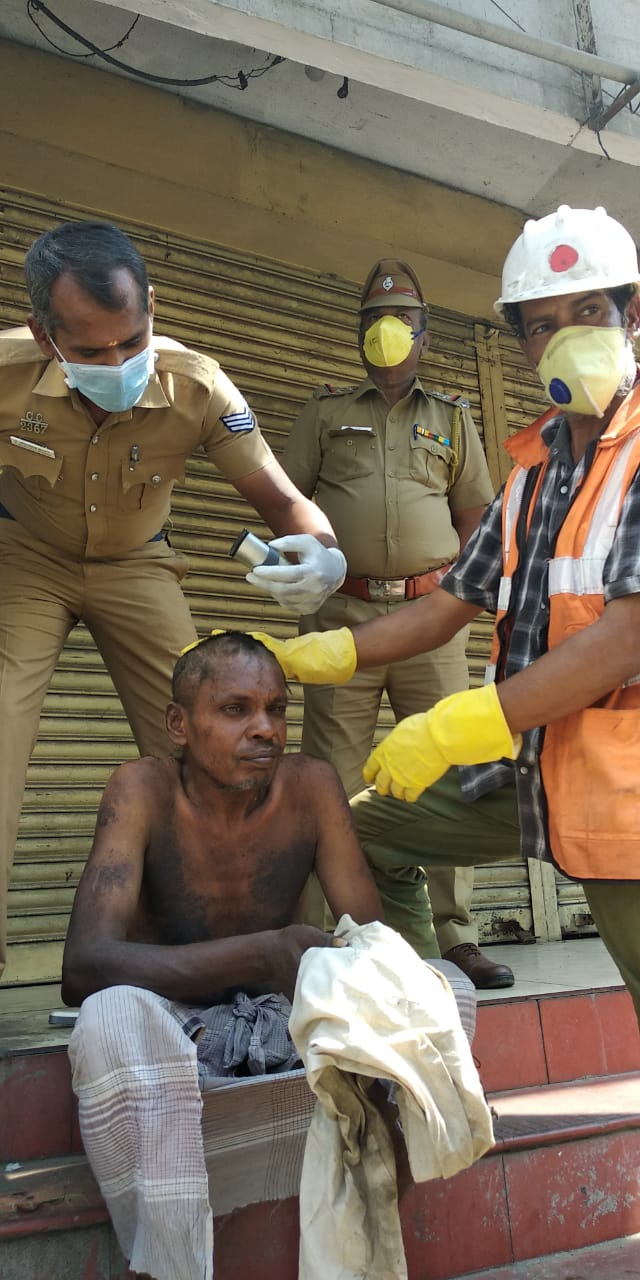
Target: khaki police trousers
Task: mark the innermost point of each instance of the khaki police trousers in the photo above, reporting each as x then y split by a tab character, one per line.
401	839
340	724
139	619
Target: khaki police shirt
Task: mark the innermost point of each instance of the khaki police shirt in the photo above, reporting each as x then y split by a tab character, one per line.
100	492
383	485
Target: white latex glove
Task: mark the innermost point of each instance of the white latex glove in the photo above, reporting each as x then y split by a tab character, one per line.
302	587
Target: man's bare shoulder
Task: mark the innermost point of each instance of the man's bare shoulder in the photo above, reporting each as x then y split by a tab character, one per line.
149	768
310	772
143	779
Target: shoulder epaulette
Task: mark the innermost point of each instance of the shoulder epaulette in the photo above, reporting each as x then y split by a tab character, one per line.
18	346
189	364
328	389
455	398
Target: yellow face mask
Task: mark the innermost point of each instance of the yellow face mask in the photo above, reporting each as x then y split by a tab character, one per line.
388	342
583	367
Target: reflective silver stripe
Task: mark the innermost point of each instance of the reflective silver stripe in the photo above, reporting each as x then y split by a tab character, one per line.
579	577
602	529
504	594
490	673
582	575
510	516
513	504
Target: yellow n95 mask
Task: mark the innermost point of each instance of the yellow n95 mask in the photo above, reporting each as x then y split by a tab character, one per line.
583	367
388	342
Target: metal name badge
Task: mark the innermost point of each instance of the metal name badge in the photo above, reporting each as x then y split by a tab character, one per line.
34	448
34	423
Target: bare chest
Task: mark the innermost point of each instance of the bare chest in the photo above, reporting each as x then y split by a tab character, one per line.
201	883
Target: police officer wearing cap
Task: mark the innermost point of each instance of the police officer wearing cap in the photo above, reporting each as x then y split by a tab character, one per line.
97	419
401	474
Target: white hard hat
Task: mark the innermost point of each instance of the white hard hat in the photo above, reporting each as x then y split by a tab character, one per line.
567	252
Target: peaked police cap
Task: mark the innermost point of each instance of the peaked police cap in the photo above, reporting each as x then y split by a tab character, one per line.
391	284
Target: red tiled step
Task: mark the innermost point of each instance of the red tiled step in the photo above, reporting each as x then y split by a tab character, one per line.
615	1260
38	1196
520	1043
548	1039
37	1109
529	1118
565	1174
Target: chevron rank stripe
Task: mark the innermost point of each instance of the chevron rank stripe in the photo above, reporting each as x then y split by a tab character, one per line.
241	420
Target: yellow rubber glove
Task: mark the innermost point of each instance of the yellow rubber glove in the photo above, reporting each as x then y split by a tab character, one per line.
466	728
322	657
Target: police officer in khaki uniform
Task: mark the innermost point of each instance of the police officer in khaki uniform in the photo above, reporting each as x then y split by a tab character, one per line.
97	419
401	474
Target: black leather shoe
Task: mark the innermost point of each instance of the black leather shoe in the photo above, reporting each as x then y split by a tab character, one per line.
482	971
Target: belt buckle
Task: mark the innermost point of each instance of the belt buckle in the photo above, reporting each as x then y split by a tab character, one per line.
386	588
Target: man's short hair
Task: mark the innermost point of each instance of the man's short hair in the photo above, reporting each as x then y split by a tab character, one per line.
620	296
89	252
199	663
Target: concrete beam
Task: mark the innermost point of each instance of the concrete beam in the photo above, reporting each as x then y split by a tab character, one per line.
408	56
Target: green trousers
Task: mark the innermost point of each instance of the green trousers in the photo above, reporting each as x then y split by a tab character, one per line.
401	839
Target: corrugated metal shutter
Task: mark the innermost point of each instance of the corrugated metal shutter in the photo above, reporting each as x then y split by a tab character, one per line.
523	397
278	332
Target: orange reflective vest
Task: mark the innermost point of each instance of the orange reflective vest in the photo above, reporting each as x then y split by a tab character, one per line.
590	761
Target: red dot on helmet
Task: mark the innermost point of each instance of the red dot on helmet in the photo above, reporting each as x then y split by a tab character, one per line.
563	257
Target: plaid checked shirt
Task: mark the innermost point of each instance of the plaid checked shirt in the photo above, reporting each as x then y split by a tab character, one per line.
475	578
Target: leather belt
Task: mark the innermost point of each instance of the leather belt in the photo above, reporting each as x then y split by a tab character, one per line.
379	589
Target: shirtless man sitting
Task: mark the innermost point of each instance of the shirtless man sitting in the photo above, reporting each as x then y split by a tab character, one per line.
188	899
207	854
182	922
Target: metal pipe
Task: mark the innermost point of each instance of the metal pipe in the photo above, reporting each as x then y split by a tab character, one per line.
550	51
617	105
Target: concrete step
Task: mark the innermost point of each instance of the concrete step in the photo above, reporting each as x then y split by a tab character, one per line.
615	1260
521	1042
562	1070
564	1174
90	1253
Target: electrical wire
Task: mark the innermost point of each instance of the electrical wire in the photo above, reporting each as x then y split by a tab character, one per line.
508	15
239	81
59	49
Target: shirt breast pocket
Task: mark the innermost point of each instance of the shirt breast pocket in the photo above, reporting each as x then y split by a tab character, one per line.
348	455
430	463
145	483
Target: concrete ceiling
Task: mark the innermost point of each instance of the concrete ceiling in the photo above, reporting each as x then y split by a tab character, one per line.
533	174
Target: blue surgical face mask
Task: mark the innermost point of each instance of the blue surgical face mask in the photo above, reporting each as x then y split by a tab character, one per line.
112	387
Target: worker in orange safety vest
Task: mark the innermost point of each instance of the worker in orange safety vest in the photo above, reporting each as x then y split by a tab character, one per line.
550	745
